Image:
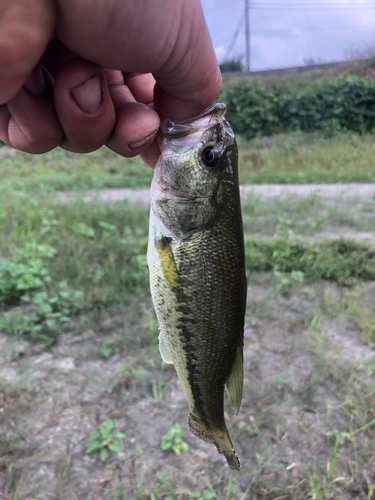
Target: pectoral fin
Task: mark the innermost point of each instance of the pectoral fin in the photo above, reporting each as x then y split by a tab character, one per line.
167	263
164	350
235	381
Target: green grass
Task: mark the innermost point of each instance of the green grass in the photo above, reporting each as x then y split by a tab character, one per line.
60	260
336	260
295	216
299	158
91	240
60	170
287	158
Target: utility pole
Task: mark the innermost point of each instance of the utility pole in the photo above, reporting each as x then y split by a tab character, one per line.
247	29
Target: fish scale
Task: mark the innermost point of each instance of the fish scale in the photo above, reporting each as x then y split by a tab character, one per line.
196	262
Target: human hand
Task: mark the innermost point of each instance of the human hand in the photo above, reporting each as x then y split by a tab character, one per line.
158	51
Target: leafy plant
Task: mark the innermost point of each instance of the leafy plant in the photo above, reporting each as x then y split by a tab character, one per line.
344	103
26	272
338	260
44	313
105	347
104	440
172	440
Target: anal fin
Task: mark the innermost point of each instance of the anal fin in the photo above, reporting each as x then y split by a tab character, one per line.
235	381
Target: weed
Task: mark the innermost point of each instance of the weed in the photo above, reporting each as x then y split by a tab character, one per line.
337	260
27	272
280	382
105	347
159	388
160	481
251	428
369	367
45	313
126	375
209	493
360	314
104	440
204	495
106	264
11	484
317	487
172	440
331	465
284	283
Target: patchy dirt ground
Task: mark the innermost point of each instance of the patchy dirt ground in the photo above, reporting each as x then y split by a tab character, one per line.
309	384
306	429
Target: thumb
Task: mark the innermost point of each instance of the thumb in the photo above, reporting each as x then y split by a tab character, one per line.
190	80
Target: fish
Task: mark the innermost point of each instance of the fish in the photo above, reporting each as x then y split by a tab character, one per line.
196	264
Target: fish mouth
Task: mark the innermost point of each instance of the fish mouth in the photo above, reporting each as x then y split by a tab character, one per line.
178	130
174	197
218	108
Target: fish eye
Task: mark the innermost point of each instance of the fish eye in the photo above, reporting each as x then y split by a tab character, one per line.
210	156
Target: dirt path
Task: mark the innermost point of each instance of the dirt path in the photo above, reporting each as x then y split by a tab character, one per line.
328	192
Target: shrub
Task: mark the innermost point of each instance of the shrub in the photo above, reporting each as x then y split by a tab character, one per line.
336	260
344	103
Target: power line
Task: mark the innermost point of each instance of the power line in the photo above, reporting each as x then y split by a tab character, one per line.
313	4
297	7
317	28
235	36
307	8
251	5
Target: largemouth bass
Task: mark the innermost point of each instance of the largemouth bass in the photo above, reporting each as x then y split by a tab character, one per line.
197	271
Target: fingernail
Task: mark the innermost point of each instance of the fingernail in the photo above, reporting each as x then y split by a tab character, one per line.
36	82
139	144
89	95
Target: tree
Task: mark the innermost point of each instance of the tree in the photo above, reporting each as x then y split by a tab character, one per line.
231	65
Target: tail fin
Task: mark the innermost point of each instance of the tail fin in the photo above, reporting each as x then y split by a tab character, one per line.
217	437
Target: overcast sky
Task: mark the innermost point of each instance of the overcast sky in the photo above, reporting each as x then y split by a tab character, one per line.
282	38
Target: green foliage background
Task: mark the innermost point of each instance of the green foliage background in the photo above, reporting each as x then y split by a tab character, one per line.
346	102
